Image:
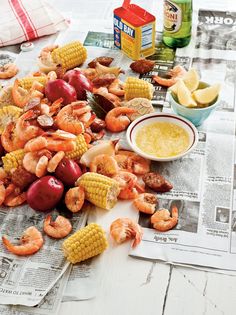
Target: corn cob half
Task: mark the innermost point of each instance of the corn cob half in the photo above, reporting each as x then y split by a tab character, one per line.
13	159
26	82
8	114
85	243
70	55
80	149
135	87
100	190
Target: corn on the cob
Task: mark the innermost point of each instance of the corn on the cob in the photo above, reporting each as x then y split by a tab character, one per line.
100	190
81	147
70	55
85	243
137	88
26	83
8	114
13	159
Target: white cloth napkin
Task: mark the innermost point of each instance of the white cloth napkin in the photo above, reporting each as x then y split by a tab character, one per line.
25	20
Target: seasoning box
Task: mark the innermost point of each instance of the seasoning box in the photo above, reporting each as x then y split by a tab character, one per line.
134	30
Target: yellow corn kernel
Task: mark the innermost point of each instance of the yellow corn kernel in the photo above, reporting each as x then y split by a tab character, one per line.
100	190
13	159
135	87
81	148
26	83
70	55
8	114
85	243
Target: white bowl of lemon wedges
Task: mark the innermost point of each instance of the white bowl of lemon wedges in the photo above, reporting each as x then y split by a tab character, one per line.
194	99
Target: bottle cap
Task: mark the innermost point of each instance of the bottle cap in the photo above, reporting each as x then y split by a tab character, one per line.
27	46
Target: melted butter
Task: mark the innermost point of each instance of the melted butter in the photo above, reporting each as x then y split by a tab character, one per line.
162	139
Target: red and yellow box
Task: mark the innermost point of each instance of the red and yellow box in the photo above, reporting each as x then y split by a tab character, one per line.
134	30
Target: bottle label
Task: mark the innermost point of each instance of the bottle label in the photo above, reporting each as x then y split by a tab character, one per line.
172	17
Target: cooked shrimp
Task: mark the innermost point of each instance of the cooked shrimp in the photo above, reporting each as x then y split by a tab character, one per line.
2	193
123	229
125	179
31	159
22	96
13	196
3	174
41	167
128	193
135	163
45	58
128	184
53	141
87	137
104	164
162	221
25	130
146	203
9	139
56	145
176	73
105	93
31	242
68	118
74	199
138	165
117	88
116	119
14	199
35	144
55	160
8	71
59	228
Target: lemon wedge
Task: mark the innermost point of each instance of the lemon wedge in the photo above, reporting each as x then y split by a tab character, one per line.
207	95
191	80
184	95
173	88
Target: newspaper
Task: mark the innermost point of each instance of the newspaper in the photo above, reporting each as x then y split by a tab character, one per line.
50	304
26	280
204	181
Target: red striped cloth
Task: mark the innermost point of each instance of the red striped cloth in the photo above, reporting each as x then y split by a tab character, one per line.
24	20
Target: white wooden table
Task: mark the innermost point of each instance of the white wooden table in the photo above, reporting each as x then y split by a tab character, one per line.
130	286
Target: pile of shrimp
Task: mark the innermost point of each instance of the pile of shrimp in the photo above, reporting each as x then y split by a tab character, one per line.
46	130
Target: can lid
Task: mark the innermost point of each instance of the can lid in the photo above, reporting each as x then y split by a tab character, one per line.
134	14
27	46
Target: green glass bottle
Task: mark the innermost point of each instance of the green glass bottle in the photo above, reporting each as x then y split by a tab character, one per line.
177	22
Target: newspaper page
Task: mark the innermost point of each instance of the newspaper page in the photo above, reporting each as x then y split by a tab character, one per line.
50	304
26	280
203	180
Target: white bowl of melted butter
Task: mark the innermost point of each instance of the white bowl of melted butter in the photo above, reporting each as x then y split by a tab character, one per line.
162	136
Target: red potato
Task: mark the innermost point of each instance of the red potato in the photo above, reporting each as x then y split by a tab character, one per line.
45	193
79	81
68	171
59	88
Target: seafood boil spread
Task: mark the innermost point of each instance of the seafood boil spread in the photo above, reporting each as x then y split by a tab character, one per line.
52	125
